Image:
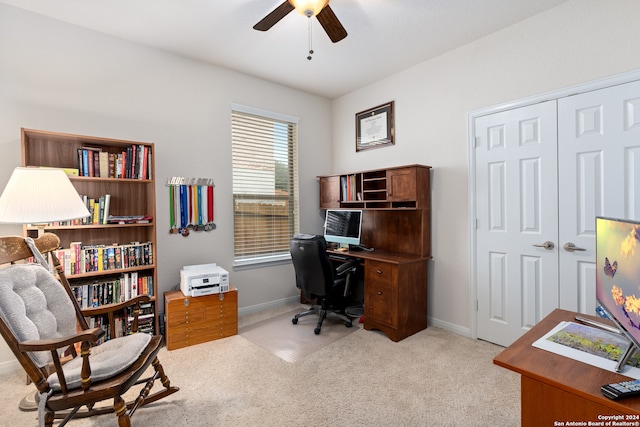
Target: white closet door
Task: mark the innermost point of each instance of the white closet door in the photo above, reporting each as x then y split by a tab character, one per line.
599	175
516	208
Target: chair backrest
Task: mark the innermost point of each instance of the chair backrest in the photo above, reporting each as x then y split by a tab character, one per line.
34	306
33	303
314	272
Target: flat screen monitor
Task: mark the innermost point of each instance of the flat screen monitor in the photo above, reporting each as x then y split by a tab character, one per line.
618	276
343	226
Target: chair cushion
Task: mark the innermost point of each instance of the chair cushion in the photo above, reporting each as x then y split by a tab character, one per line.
35	306
107	360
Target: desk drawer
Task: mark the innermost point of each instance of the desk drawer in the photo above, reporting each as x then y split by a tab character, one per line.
381	292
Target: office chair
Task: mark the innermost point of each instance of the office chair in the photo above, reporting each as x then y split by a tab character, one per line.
47	332
317	278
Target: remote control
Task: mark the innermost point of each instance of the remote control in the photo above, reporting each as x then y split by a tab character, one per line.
621	389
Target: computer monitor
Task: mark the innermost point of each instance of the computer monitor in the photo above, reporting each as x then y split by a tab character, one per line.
343	226
618	277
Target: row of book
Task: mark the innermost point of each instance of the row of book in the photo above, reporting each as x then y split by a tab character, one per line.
98	209
134	162
80	259
348	184
112	290
98	212
123	323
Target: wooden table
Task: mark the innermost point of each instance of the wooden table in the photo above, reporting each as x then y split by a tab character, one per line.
559	391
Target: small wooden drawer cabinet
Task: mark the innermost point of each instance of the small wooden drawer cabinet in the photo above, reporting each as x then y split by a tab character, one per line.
194	320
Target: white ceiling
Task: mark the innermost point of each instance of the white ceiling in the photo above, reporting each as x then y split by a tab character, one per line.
385	36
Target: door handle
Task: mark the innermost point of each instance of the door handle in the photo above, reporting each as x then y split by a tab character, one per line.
547	245
570	247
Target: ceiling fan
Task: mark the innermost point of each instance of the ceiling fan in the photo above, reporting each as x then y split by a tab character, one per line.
308	8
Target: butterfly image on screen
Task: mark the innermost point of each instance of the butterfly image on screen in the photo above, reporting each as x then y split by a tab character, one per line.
610	269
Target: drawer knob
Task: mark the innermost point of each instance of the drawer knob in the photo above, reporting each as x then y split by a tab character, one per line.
379	292
379	271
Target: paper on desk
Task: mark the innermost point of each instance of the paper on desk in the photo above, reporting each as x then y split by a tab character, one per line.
587	344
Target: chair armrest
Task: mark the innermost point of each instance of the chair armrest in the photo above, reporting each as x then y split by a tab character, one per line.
113	307
347	267
88	338
90	335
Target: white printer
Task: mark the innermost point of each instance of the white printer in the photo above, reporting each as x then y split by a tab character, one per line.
203	279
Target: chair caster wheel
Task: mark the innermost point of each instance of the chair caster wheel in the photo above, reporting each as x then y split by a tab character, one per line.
294	320
317	331
348	324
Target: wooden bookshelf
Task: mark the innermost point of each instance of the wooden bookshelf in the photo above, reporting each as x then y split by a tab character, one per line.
133	194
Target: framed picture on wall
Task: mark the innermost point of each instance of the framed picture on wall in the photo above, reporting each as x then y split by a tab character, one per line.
374	127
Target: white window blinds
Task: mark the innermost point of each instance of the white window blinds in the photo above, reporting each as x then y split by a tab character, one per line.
265	184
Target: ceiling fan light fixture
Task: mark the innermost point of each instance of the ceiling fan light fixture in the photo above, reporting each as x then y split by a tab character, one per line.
309	8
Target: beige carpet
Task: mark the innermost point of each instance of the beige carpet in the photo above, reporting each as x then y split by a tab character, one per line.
433	378
279	336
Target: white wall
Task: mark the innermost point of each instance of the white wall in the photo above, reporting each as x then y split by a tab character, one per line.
58	77
576	42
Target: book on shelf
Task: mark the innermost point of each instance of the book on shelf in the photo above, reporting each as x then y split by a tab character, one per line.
352	193
90	164
81	259
129	219
64	259
98	209
103	164
133	162
348	188
95	211
121	326
116	289
105	212
67	171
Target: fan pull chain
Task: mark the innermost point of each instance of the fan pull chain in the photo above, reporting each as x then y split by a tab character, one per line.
310	39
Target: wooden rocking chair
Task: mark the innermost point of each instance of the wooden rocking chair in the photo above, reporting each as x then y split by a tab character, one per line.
42	323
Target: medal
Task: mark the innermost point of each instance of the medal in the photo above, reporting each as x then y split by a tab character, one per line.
172	208
210	224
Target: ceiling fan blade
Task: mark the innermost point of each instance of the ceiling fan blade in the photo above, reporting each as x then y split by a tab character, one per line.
331	24
276	15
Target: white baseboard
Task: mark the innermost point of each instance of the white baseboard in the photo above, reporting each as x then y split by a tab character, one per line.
267	305
451	327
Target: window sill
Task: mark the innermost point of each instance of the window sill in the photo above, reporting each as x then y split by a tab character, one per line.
261	262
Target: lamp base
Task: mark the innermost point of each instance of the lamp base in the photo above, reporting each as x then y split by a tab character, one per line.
29	402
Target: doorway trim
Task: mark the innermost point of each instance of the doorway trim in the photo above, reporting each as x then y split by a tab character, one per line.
471	142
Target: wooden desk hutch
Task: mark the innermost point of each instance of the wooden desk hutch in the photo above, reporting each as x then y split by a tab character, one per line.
396	222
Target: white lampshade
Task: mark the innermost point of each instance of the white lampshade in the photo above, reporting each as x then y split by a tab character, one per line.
309	8
39	196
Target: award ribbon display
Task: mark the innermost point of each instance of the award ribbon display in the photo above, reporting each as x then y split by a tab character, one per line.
190	200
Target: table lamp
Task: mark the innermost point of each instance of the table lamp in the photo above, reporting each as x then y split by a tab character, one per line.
40	196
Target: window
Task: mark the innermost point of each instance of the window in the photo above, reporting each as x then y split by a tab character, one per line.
265	184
